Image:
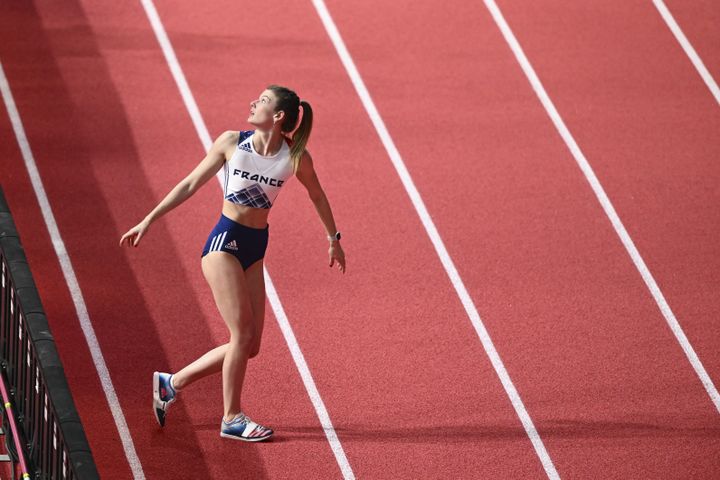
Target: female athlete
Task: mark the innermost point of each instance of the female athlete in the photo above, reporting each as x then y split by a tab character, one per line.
256	164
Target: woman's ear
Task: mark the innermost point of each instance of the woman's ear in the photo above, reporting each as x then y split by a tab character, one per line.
279	116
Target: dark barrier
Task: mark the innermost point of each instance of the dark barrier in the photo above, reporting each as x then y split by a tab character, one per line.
51	434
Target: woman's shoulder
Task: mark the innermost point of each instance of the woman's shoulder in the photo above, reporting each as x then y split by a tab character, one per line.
243	134
233	138
235	135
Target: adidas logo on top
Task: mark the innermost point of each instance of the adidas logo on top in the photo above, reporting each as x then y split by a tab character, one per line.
245	146
231	245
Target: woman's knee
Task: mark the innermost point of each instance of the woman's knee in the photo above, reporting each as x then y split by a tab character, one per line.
244	337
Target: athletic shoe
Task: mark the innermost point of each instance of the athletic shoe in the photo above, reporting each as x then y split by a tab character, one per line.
163	395
242	428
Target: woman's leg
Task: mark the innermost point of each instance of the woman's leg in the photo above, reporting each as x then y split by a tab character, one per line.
212	361
256	288
227	281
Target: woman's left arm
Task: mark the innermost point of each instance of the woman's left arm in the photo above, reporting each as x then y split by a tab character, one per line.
307	176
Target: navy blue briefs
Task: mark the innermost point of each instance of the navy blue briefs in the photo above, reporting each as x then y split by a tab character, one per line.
247	244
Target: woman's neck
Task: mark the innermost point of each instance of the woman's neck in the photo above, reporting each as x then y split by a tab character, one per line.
268	142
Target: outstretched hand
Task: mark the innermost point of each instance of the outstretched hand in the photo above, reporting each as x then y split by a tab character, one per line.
337	256
134	235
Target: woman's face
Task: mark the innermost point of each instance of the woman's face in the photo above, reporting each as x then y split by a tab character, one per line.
262	110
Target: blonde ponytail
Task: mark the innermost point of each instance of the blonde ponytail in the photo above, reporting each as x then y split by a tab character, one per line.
302	134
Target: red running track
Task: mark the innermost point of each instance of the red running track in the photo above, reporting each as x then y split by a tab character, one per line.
404	377
699	20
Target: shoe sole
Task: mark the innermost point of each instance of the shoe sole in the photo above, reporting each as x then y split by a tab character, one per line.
254	439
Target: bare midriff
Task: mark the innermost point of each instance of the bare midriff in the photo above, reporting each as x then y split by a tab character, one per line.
249	216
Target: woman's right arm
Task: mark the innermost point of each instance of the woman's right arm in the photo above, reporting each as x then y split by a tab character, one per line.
203	172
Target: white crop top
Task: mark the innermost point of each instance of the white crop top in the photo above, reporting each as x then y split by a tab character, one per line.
252	179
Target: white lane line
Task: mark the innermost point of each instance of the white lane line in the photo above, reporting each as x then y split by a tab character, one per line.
432	232
307	378
689	50
272	295
605	202
71	280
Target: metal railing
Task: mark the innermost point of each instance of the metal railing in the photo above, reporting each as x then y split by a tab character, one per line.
49	429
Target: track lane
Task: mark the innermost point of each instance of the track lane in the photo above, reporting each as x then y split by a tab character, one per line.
383	353
60	120
543	264
647	118
82	378
110	129
699	22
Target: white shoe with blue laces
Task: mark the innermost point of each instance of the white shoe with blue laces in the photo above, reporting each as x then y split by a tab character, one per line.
242	428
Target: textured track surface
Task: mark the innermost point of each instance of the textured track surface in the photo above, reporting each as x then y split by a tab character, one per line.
405	379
